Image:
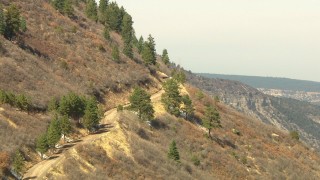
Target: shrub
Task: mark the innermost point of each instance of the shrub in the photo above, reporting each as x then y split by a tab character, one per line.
195	160
295	135
119	108
4	162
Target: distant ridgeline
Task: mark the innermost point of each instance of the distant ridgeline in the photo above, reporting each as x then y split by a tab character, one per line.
270	82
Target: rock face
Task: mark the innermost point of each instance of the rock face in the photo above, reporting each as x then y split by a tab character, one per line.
284	113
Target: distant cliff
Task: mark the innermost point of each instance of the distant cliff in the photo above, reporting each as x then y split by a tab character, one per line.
287	114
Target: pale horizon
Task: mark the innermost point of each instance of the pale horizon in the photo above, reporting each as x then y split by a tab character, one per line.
275	38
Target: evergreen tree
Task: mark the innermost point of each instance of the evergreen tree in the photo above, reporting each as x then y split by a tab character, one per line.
173	152
127	34
187	106
58	4
180	76
54	132
23	102
165	56
127	50
171	99
42	144
211	119
141	103
149	51
115	54
67	8
18	162
140	44
91	116
23	24
106	33
91	10
2	21
72	105
113	17
65	126
12	21
103	5
53	105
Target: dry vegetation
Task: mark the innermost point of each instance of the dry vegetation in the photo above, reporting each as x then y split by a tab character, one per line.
253	153
58	55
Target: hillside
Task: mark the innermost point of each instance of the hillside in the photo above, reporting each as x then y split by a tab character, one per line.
270	82
284	113
65	88
134	149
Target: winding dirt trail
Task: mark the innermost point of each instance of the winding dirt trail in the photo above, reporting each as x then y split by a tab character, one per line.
39	170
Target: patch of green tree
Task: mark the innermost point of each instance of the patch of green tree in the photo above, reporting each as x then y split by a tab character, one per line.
211	119
141	103
11	21
165	57
21	101
173	152
149	51
92	10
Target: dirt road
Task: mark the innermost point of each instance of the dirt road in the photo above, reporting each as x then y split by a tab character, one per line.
39	170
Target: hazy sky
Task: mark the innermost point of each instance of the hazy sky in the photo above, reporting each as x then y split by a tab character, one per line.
279	38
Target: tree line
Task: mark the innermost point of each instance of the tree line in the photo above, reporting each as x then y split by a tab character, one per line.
115	18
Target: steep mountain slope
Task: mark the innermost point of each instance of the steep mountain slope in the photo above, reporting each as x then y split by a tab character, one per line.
287	114
58	54
134	149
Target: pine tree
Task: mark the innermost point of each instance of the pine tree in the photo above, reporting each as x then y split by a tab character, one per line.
113	17
54	132
12	21
72	105
67	8
149	52
42	144
91	116
23	102
165	56
103	5
173	152
65	126
127	34
53	105
187	106
115	54
58	4
141	103
140	44
171	99
180	76
18	162
2	21
211	119
91	10
106	33
23	24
